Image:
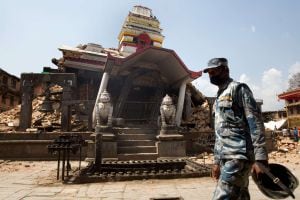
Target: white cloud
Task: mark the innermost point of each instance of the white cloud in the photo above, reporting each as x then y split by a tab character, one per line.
295	68
244	78
272	84
267	89
253	29
271	76
205	87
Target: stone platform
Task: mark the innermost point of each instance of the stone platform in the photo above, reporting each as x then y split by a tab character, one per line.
37	181
140	170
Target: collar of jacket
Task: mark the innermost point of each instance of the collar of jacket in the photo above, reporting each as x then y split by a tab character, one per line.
224	86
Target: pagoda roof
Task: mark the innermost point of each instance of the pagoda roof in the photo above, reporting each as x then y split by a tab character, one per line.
290	95
75	57
164	60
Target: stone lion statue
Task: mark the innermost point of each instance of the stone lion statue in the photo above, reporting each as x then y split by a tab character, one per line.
104	110
167	112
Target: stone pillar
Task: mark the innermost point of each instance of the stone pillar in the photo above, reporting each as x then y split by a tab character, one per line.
106	149
65	111
26	105
180	103
90	107
98	149
171	145
103	86
109	145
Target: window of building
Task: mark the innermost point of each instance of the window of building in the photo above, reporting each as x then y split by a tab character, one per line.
12	100
5	80
13	83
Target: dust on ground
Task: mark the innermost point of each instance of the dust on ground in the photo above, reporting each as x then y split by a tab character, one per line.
289	159
47	170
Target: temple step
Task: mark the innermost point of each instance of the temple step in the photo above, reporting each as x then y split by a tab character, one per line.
138	156
119	131
137	149
134	143
121	137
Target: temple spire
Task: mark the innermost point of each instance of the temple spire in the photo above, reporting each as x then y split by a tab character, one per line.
140	29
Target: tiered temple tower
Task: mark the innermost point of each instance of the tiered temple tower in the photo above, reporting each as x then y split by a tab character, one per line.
140	29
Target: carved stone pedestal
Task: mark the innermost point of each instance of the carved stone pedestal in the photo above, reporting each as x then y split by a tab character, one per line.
170	144
108	144
167	130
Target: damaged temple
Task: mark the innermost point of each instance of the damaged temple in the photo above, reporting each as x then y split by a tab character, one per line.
138	96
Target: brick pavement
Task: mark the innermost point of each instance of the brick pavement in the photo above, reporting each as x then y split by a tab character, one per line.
37	181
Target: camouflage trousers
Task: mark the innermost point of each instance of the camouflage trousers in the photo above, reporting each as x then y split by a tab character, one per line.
234	180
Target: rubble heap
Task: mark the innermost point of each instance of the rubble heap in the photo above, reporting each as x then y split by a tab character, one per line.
51	121
197	116
200	118
287	151
286	144
9	120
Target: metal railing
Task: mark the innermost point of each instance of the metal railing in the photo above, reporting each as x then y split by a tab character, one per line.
63	146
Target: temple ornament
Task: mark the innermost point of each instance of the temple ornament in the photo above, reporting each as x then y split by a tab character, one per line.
167	112
104	110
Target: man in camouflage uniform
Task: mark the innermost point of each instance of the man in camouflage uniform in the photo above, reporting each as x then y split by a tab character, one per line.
239	131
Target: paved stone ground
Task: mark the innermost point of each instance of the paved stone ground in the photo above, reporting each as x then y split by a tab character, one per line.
37	180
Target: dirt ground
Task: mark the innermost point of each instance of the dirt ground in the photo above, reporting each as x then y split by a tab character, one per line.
279	157
291	160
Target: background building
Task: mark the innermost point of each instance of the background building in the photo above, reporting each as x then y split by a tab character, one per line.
292	106
9	90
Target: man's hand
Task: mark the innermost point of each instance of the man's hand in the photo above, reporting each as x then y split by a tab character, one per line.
257	167
215	171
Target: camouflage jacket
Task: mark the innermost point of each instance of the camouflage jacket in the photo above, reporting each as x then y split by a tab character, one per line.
239	127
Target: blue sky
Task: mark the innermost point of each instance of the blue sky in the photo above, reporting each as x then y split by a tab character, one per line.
260	38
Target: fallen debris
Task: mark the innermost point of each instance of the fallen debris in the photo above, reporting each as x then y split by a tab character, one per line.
200	118
9	120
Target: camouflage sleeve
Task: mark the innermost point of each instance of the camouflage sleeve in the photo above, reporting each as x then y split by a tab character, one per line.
217	159
217	145
254	118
